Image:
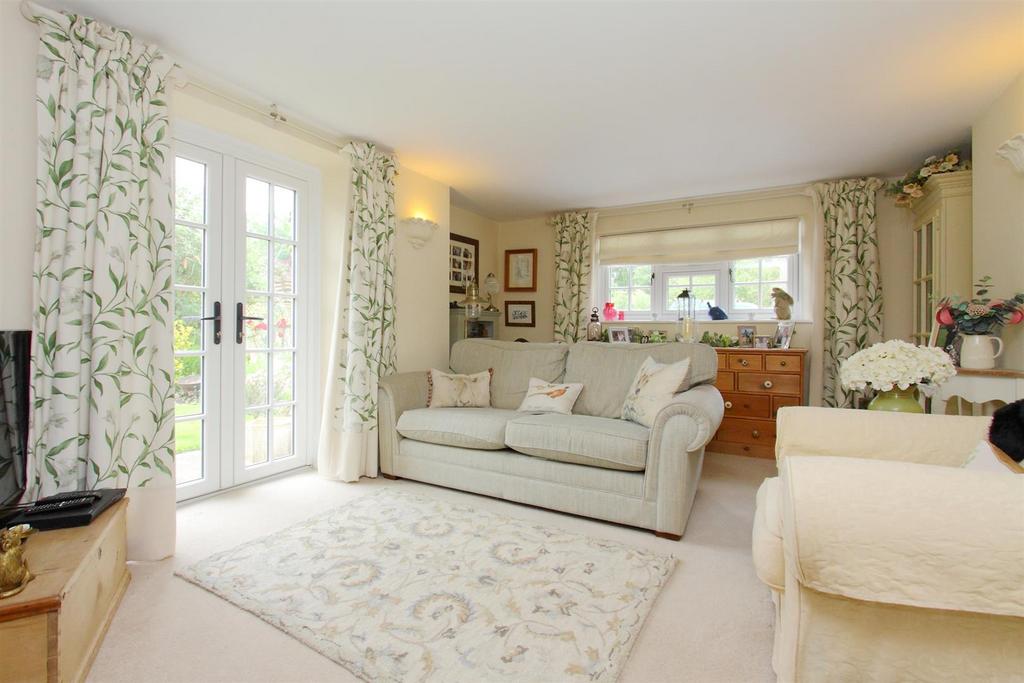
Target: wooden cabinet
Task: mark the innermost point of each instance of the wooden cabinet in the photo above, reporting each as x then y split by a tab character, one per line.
52	630
755	384
942	246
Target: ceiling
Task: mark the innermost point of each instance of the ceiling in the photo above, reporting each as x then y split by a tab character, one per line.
525	108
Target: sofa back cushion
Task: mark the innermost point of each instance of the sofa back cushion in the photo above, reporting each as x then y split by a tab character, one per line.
513	363
606	371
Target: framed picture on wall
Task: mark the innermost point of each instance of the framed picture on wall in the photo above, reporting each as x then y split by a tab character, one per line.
464	262
520	270
520	314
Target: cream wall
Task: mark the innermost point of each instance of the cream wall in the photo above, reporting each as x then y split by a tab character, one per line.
17	166
998	239
469	224
532	233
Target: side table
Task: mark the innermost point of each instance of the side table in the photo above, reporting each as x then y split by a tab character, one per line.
977	388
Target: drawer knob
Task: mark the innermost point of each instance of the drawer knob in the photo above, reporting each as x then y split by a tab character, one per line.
744	362
768	384
782	363
756	434
728	405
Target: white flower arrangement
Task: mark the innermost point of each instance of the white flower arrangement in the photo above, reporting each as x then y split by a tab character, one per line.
896	363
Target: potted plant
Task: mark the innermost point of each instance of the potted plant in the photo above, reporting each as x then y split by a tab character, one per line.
895	370
978	320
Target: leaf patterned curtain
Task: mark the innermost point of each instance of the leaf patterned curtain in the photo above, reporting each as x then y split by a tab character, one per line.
103	412
853	286
574	239
363	342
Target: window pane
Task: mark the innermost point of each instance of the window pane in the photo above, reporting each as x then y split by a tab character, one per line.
618	276
282	432
188	329
282	324
256	379
704	294
189	190
257	206
188	256
256	330
642	275
188	385
775	268
284	372
284	268
256	429
188	451
284	213
256	263
745	296
620	298
766	296
745	271
641	299
708	279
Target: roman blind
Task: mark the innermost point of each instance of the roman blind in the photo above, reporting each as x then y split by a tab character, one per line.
702	244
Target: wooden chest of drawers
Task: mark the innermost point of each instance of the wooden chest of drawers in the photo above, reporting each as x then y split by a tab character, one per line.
755	383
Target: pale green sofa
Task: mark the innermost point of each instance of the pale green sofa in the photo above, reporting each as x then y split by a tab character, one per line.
590	463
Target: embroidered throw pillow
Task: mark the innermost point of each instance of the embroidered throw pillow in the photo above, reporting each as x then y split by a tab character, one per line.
446	390
988	458
545	397
653	388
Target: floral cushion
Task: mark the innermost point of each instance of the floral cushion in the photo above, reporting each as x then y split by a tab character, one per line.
653	388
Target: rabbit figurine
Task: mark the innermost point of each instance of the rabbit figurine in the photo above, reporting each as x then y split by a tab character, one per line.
14	573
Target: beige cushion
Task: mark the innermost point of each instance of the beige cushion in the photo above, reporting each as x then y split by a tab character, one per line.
482	428
548	397
513	363
606	371
653	388
769	562
446	390
987	458
580	439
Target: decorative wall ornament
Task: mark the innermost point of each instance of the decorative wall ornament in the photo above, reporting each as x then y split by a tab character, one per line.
1013	151
911	186
418	231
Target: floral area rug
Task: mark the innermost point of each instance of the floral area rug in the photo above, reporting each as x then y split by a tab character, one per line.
397	587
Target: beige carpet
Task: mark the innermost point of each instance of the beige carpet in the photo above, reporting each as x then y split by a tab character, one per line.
711	622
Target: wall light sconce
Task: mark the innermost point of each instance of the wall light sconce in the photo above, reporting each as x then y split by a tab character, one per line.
418	231
1013	151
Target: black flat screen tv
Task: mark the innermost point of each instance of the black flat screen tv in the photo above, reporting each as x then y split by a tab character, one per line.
14	398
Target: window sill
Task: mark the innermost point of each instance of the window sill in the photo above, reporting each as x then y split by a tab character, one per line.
730	321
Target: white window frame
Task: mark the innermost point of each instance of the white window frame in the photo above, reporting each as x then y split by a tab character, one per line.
724	290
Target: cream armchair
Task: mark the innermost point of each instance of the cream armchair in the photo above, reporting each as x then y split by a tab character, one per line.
886	561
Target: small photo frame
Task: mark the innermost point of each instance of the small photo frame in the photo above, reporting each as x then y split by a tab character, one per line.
763	341
520	314
784	334
618	335
520	270
746	334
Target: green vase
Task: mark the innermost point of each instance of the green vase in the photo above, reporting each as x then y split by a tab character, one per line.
897	401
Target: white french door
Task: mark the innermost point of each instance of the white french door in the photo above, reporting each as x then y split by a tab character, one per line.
244	346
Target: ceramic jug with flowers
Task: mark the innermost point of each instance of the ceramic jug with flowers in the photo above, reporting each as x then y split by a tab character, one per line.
978	321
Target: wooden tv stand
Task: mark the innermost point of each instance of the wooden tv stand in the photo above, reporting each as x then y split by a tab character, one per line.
52	630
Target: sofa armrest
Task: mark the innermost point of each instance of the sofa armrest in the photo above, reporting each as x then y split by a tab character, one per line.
905	534
703	404
927	439
397	394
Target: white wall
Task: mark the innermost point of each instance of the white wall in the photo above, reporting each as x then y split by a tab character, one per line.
998	202
532	233
17	166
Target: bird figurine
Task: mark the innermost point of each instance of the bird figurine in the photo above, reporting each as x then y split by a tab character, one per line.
783	303
14	573
715	312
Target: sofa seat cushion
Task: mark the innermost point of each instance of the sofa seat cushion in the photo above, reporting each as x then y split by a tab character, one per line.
581	439
769	561
482	428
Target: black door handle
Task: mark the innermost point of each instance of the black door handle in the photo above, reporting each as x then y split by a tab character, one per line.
240	317
216	318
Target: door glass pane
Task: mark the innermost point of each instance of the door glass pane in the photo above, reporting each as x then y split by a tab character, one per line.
931	246
188	330
284	213
282	323
189	190
256	379
282	432
188	385
256	330
256	436
188	451
188	255
284	268
257	206
256	264
284	372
